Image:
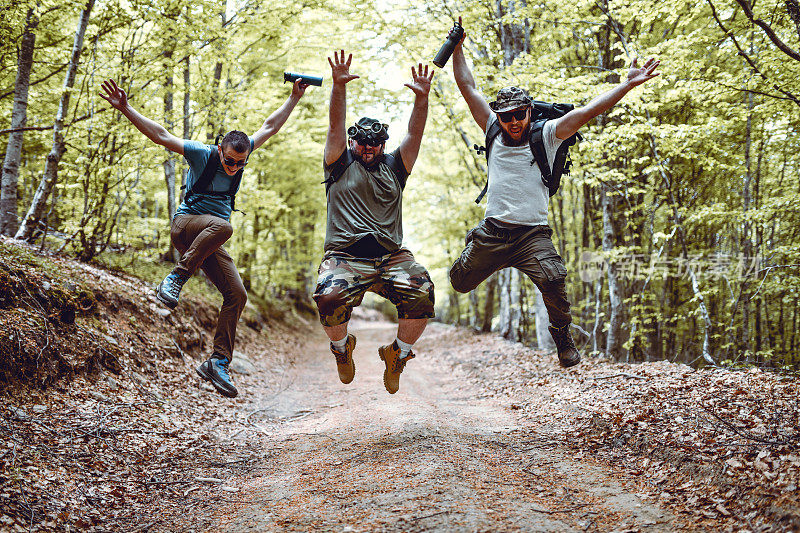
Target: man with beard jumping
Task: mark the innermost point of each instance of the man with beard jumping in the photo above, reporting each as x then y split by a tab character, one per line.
364	234
515	231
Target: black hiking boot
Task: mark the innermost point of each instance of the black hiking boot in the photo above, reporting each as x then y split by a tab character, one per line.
215	370
568	355
169	290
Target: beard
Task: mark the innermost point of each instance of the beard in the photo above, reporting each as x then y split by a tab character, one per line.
509	141
376	158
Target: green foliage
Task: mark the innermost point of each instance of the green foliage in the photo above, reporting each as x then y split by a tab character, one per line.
701	164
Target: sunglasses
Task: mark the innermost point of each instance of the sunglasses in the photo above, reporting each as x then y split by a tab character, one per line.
519	114
233	163
370	141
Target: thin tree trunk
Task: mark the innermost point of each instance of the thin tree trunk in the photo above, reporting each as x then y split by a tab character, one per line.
746	241
614	341
543	338
474	309
9	222
34	216
169	163
488	305
509	304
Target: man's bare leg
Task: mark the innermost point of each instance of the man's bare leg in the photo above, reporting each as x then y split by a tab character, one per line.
337	333
410	329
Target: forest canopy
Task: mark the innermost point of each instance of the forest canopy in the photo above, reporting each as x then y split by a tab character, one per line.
679	222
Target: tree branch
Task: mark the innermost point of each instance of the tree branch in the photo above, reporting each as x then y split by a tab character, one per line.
768	30
746	57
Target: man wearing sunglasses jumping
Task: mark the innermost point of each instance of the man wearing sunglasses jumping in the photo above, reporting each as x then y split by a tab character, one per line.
515	231
364	233
201	223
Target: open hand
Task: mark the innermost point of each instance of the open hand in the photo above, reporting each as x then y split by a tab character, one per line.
421	81
114	95
637	76
340	69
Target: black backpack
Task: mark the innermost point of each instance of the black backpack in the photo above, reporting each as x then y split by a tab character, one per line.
541	112
201	186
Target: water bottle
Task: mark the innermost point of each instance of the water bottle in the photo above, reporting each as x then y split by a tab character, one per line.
307	79
449	45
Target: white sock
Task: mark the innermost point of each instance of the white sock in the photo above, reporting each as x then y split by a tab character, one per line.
405	348
340	344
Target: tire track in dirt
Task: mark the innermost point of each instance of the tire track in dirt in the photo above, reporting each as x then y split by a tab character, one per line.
433	457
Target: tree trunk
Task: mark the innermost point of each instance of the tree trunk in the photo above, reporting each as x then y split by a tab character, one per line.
187	123
172	254
543	338
488	305
474	309
614	340
746	241
9	222
33	218
509	304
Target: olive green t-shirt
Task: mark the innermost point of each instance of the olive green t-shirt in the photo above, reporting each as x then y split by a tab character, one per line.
366	202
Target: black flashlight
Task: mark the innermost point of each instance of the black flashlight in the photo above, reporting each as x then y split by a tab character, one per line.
291	77
449	45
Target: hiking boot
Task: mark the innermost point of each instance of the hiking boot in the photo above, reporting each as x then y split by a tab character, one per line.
394	366
568	355
344	360
215	370
169	290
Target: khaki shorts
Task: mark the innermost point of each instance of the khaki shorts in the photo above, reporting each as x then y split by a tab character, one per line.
343	281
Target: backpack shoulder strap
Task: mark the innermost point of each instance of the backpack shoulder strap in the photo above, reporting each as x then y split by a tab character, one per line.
338	168
206	177
561	161
491	134
539	152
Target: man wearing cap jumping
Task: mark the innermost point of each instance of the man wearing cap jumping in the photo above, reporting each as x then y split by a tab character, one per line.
515	231
364	233
202	225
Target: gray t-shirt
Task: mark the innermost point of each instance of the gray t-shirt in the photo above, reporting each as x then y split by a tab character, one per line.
517	194
363	202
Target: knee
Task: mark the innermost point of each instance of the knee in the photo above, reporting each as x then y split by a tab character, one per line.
458	279
237	297
224	229
327	304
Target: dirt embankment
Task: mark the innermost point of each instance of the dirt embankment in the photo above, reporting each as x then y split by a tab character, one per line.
484	435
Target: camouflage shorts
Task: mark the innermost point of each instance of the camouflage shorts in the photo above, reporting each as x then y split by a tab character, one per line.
344	279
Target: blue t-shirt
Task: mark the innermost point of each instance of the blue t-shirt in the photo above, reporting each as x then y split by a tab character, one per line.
197	155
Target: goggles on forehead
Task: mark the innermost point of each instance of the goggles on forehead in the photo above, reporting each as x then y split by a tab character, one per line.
375	135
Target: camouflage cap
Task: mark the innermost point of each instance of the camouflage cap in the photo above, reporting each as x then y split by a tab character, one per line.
510	98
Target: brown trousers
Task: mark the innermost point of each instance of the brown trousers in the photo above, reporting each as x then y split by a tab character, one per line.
491	247
199	239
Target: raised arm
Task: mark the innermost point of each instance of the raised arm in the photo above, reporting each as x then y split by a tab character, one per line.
154	131
575	119
336	142
278	118
466	84
421	85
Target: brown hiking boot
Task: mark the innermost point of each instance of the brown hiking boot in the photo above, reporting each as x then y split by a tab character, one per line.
394	366
568	355
344	360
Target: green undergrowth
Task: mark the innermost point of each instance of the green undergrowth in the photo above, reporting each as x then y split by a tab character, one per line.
60	318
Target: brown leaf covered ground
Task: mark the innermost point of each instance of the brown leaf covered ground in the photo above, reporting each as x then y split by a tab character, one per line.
108	429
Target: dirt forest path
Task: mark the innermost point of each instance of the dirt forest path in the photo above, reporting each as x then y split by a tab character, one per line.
437	456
